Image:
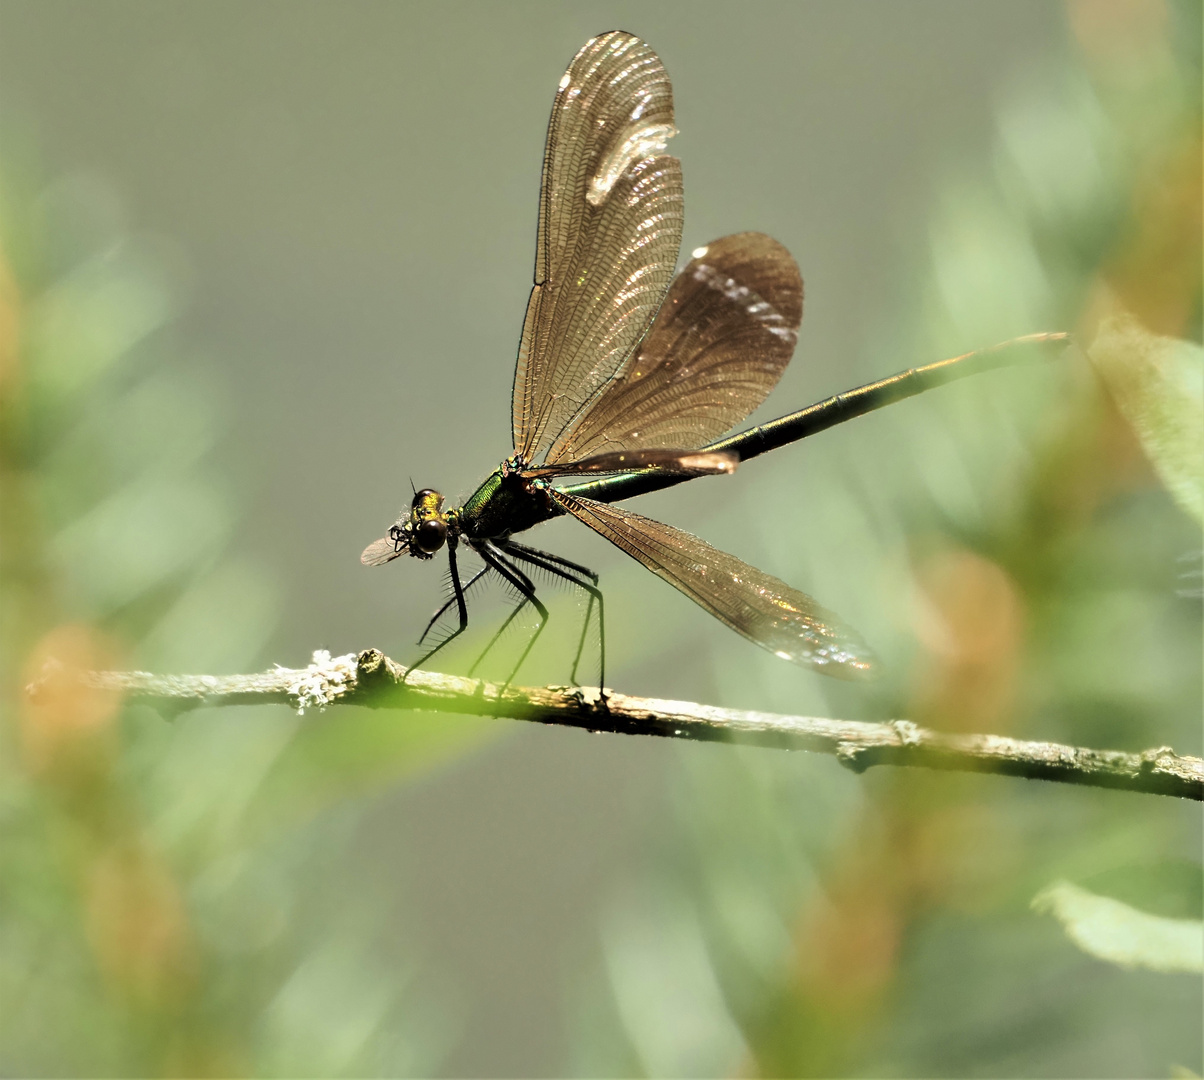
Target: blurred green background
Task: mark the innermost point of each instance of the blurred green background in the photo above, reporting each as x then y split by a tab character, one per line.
263	263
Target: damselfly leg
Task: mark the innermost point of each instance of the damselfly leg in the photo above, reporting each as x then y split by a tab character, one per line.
565	569
461	608
442	610
493	557
572	572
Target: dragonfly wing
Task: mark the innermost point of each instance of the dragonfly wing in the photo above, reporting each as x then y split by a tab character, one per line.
610	219
765	610
721	340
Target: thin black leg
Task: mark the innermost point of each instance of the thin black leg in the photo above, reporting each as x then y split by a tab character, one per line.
498	634
559	560
451	600
457	597
564	568
494	557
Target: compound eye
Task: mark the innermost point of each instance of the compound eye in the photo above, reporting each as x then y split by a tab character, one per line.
422	496
429	535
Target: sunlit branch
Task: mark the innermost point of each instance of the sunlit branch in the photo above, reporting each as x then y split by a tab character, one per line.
371	679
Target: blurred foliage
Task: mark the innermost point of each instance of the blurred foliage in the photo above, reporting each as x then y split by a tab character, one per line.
170	894
1007	546
1158	384
1124	935
149	918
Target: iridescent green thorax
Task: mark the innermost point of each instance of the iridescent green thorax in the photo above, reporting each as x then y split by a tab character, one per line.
505	503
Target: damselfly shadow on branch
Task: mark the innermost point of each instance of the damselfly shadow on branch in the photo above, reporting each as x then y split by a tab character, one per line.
627	373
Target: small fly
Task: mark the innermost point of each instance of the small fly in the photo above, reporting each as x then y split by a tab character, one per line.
628	374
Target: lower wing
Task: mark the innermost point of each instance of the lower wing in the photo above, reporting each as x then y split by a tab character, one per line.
765	610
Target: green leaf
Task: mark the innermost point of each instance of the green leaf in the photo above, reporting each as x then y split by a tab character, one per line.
1158	384
1110	930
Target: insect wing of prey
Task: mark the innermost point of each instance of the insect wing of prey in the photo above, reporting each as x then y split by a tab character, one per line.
622	366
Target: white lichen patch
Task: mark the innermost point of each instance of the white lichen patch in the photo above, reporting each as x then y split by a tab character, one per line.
325	680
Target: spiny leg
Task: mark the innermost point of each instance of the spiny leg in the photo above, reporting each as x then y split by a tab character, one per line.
451	600
514	612
566	569
497	636
559	560
522	583
458	597
523	551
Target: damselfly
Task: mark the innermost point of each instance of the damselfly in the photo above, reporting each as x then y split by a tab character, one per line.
629	371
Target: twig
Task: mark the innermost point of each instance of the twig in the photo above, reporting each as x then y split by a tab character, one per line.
372	679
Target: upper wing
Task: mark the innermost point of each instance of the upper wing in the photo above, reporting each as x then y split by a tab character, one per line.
610	219
765	610
721	340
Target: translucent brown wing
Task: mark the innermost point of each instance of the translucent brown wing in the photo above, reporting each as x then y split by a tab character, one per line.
610	219
691	462
765	610
721	340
